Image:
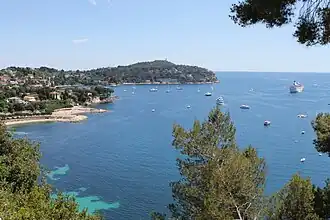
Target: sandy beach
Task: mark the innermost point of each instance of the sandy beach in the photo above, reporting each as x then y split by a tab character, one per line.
74	114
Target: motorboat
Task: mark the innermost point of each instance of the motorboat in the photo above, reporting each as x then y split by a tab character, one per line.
302	116
302	159
266	123
245	107
208	94
220	101
178	88
296	87
168	91
153	90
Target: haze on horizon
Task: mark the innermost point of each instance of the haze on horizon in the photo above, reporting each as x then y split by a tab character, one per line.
86	34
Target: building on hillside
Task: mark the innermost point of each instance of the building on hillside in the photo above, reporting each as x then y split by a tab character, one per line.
15	100
30	98
55	95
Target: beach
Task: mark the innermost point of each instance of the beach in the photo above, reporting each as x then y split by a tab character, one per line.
74	114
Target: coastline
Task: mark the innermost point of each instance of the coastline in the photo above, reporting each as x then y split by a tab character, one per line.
168	83
72	115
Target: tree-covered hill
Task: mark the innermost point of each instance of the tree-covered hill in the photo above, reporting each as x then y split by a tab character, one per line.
158	71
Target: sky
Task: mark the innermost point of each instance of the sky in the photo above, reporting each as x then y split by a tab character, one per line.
84	34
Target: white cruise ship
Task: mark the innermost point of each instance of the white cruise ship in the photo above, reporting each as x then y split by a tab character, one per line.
296	87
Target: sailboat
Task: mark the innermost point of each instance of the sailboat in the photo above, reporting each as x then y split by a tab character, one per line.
168	89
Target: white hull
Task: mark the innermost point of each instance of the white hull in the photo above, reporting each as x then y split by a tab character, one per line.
296	89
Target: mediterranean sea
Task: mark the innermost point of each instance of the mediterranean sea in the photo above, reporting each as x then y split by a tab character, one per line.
121	162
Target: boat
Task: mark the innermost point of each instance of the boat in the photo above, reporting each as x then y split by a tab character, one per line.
220	101
296	87
266	123
153	90
302	159
188	106
208	94
178	88
302	132
245	107
302	116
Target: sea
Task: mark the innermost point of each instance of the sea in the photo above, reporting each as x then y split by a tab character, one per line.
121	162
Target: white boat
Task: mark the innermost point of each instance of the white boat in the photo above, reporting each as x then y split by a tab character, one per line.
208	94
296	87
302	159
168	91
302	116
178	88
153	90
266	123
245	107
220	101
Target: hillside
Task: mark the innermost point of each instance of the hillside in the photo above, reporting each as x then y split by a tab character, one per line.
158	71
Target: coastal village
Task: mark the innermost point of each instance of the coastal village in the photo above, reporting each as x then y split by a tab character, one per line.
30	97
48	94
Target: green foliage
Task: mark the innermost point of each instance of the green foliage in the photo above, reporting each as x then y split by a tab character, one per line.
155	71
312	25
52	105
321	126
23	196
218	180
294	201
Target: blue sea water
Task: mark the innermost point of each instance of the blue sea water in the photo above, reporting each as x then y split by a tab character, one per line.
122	161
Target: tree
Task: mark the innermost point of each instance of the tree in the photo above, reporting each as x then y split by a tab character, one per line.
23	194
321	126
218	180
312	24
294	201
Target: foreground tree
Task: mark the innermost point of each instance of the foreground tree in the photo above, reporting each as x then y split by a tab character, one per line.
218	180
312	24
294	201
321	126
22	194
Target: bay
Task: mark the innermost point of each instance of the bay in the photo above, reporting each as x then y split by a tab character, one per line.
122	161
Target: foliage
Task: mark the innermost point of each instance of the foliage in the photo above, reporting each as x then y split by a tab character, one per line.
22	194
155	71
312	24
218	180
321	126
294	201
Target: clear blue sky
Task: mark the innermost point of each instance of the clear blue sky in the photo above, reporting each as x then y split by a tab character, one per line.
83	34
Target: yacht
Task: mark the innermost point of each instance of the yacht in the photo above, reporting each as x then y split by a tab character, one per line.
208	94
153	90
220	101
267	123
296	87
245	107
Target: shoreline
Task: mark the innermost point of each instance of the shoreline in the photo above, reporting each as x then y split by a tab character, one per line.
71	115
169	83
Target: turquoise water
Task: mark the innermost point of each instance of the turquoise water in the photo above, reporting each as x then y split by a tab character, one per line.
121	162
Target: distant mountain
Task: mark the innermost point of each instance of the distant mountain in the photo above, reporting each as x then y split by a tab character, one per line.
158	71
